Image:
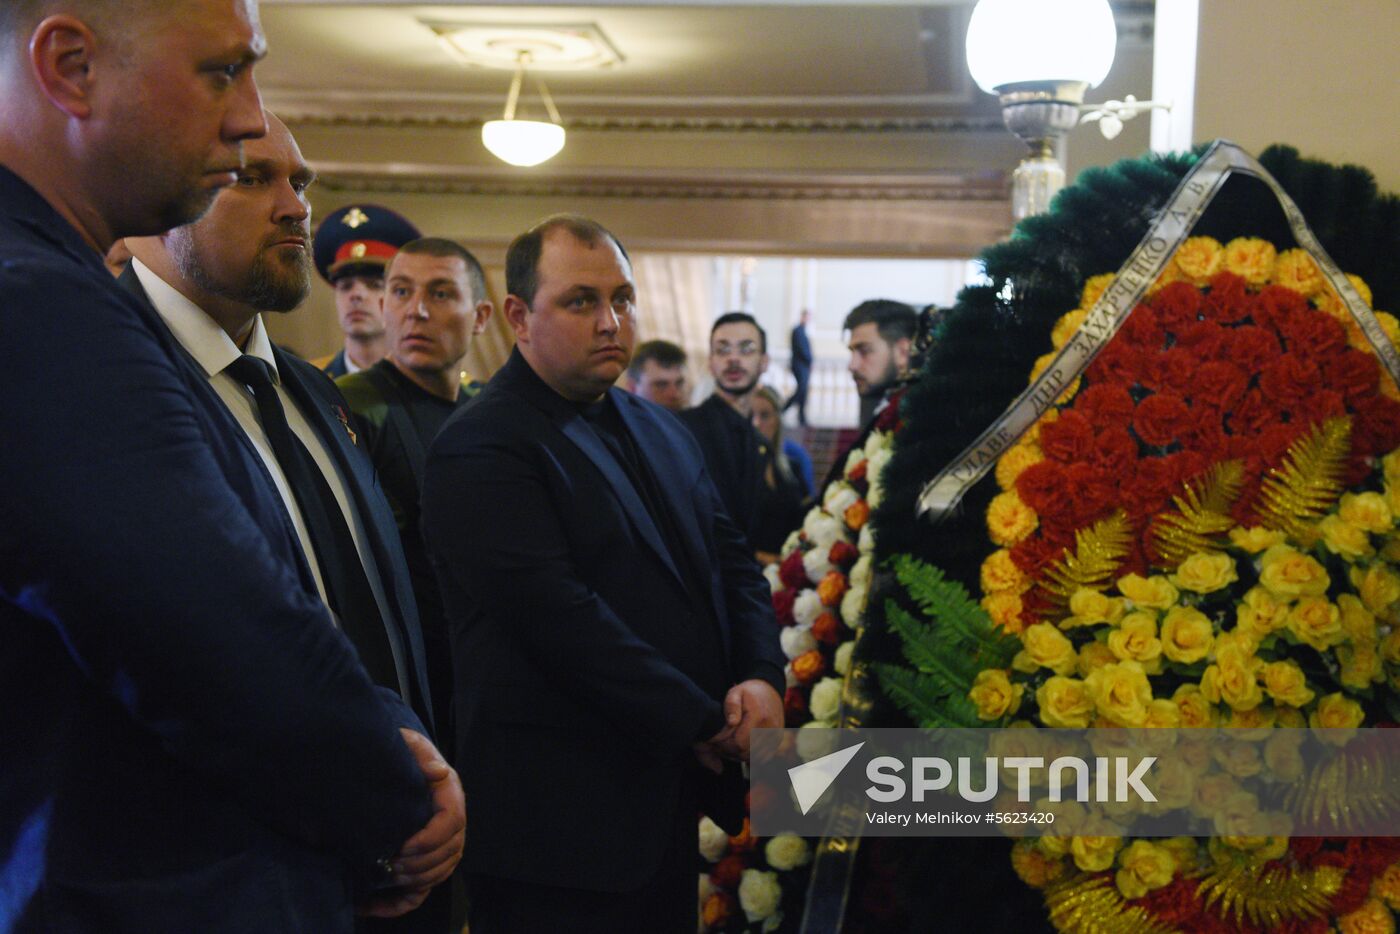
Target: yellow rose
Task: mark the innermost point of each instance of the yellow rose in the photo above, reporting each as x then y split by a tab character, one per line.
1004	608
1044	646
1344	539
1232	679
1094	655
1093	288
1379	589
1373	917
1255	539
1174	784
994	694
1009	520
1187	635
1392	499
1289	573
1240	759
1183	848
1162	714
1390	648
1259	613
1367	511
1237	815
1091	607
1211	793
1136	640
1287	684
1121	692
1296	270
1360	665
1251	259
1154	593
1195	707
1315	621
1199	258
1205	573
1035	868
1357	622
1282	756
1259	721
1387	886
1289	719
1064	703
1015	461
1000	573
1336	712
1094	853
1064	328
1144	866
1390	551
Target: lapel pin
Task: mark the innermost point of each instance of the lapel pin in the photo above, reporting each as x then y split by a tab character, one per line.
345	420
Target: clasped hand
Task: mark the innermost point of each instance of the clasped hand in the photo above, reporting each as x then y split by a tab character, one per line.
428	857
749	705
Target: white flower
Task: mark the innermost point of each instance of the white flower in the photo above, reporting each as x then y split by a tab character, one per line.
841	662
759	893
706	887
825	702
796	641
815	739
713	841
770	574
853	605
860	574
823	531
806	608
787	851
866	543
815	563
878	442
840	496
852	462
878	462
790	544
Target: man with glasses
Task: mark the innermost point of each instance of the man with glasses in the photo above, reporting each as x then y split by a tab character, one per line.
734	452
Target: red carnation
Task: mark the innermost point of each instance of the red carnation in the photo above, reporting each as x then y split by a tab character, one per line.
1067	439
1206	340
728	871
1376	428
791	572
1105	403
1275	303
1177	305
1119	362
1218	385
1229	300
1039	486
1143	329
1160	419
1115	450
857	473
1320	406
1288	379
1353	373
1090	491
843	554
1171	370
1252	414
1251	347
794	707
1035	554
826	629
1146	492
782	606
1312	334
888	419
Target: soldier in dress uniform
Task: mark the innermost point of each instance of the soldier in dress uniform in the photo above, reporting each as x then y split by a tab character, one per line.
352	247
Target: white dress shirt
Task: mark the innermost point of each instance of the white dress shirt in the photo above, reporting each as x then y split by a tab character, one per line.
213	350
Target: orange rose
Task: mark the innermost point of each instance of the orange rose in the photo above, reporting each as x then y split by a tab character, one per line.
856	514
744	840
808	666
832	588
826	628
718	908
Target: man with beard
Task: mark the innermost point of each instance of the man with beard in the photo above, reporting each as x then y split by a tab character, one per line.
188	744
881	341
210	282
735	453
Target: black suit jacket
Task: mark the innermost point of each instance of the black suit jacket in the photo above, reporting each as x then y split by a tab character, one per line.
574	637
735	454
187	744
323	407
801	348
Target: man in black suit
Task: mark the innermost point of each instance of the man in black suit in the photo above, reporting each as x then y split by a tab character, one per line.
800	346
188	744
210	282
613	640
735	452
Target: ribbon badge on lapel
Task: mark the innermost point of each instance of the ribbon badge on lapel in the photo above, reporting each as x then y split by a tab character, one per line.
345	420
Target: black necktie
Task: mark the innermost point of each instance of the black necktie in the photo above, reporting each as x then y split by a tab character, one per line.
347	589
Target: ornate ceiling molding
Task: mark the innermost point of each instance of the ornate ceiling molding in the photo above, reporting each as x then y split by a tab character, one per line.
402	178
659	124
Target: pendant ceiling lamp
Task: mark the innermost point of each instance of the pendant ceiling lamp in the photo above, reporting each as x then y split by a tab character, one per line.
524	142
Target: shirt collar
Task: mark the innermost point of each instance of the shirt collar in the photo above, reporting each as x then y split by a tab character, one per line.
198	333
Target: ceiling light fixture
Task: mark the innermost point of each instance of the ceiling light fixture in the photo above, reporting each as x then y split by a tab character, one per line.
524	142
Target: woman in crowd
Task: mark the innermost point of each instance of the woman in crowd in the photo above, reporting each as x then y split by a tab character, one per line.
783	496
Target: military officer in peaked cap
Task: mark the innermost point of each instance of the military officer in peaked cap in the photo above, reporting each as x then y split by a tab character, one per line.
352	248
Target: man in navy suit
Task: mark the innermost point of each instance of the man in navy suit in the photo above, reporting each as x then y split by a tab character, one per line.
617	639
210	281
186	743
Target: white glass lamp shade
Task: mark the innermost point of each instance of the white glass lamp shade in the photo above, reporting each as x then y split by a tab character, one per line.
1015	41
522	142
